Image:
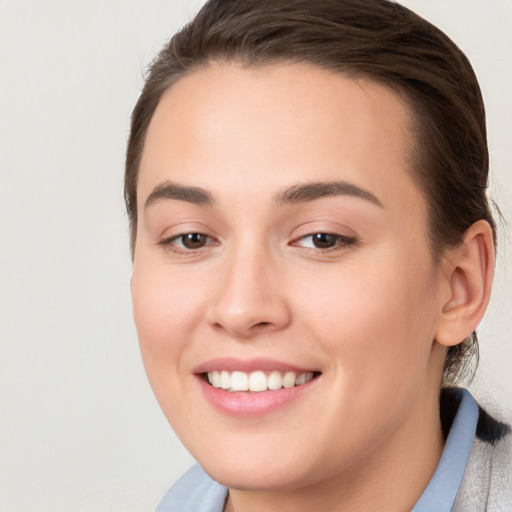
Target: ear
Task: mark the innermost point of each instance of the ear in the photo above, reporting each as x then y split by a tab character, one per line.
469	270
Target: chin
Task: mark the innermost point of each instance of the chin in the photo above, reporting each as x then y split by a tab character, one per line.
266	462
257	477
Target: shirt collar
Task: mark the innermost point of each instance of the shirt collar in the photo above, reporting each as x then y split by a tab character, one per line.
442	489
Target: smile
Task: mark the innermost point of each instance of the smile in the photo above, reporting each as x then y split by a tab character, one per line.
250	388
257	381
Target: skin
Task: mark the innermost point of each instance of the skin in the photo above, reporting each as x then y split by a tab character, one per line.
366	434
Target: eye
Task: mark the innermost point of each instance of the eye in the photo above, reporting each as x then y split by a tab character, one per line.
192	240
324	241
186	242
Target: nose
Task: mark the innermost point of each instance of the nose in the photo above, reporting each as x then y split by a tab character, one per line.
251	298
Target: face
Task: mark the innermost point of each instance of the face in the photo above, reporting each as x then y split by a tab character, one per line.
282	254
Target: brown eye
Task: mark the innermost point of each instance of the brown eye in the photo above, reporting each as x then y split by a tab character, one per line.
187	244
193	240
324	240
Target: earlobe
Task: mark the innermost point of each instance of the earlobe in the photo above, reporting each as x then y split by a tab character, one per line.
469	270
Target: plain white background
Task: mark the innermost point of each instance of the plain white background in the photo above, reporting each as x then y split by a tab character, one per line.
79	427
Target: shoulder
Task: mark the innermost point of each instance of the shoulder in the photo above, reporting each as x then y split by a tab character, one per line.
195	491
493	440
487	483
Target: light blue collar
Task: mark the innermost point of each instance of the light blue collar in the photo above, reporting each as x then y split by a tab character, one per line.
440	494
195	491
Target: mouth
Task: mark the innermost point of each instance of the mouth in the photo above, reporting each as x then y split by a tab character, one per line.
249	388
257	381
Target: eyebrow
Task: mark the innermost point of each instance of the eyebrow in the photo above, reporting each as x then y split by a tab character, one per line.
310	191
169	190
292	195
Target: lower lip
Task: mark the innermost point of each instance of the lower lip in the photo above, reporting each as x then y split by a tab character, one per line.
250	404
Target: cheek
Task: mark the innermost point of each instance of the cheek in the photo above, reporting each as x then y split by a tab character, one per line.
377	322
166	309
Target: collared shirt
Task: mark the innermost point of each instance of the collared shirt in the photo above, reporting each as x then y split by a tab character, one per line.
195	491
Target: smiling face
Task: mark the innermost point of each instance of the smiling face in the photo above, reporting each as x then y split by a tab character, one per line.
282	244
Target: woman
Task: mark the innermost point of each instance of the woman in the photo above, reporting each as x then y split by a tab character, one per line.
313	250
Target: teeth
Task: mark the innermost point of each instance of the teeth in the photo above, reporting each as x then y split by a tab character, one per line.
239	381
214	378
257	381
225	380
274	381
289	379
301	379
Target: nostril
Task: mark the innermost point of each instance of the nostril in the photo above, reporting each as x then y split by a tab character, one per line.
262	324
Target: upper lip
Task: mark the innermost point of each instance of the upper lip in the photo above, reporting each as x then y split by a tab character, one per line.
248	365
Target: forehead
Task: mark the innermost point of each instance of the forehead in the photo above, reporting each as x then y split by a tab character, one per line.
227	124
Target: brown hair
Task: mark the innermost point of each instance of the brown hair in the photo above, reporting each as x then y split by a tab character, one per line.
377	39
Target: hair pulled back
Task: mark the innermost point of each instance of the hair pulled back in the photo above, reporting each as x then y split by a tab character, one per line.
376	39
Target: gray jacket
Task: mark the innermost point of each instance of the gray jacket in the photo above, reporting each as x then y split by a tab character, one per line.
487	483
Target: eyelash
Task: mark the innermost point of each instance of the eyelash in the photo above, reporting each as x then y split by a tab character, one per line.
340	242
170	243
